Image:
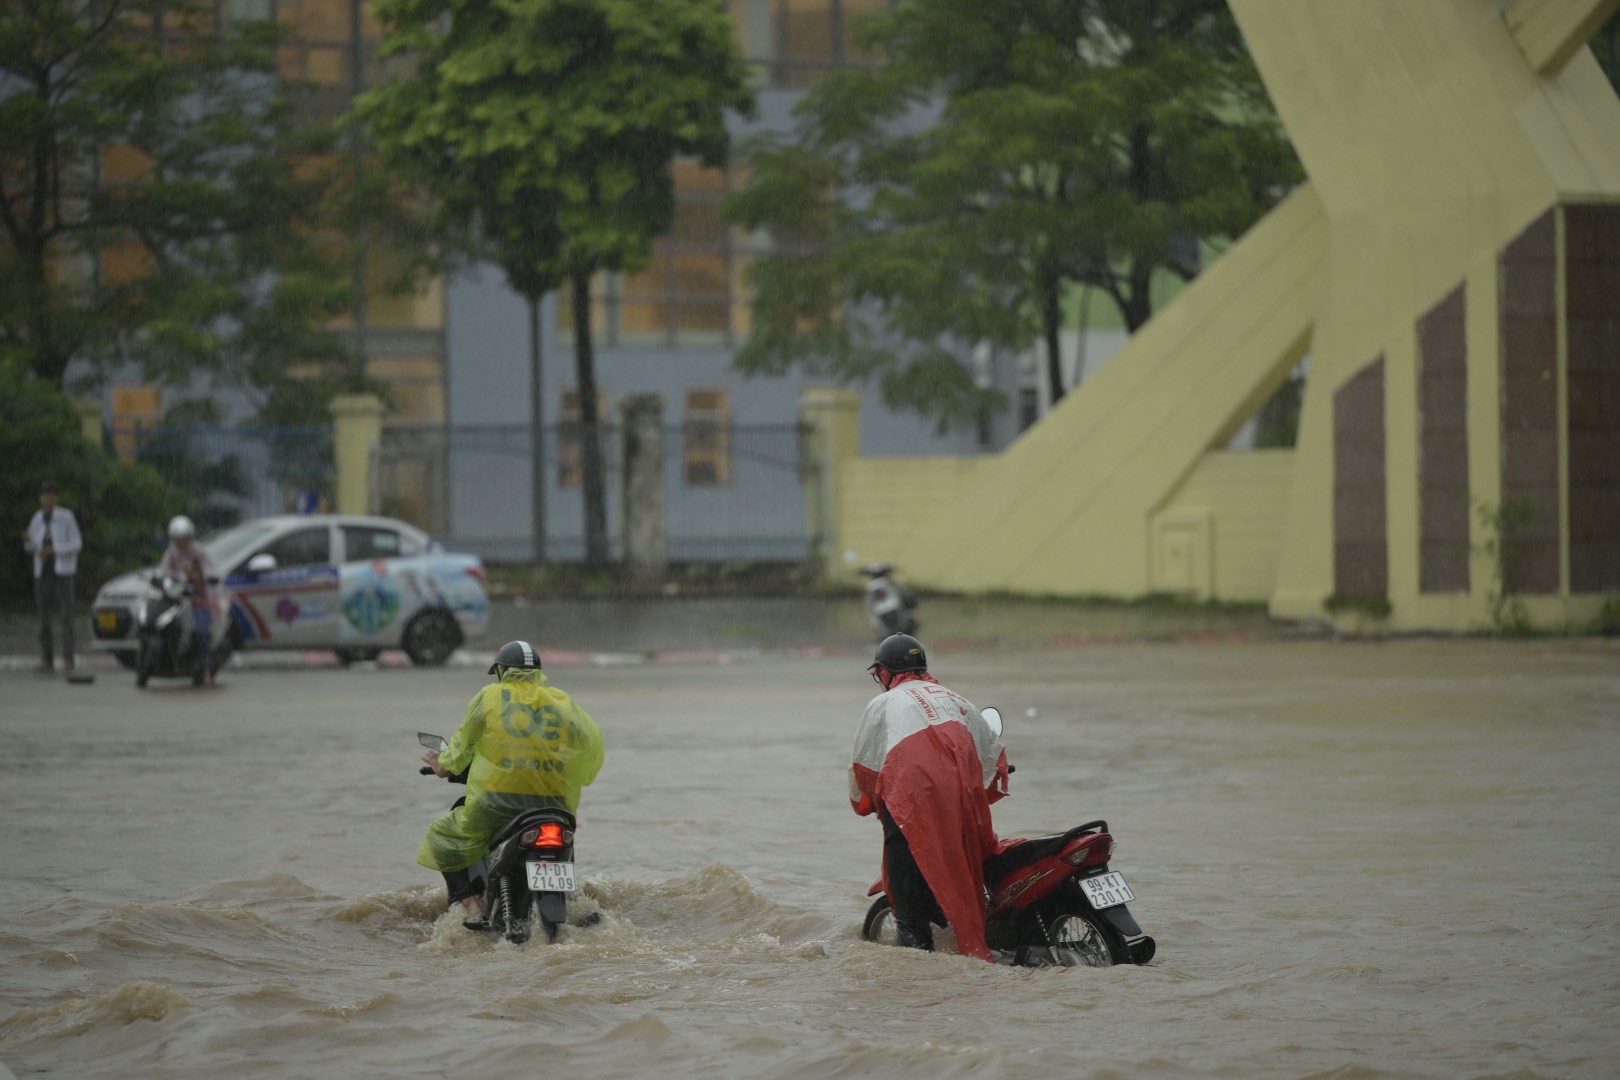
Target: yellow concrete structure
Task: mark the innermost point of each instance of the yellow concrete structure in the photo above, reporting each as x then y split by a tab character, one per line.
356	433
90	421
1449	145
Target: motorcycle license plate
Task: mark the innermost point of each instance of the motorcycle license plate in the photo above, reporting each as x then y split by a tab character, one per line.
1104	890
551	876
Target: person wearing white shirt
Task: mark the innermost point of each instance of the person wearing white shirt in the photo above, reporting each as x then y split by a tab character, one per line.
53	538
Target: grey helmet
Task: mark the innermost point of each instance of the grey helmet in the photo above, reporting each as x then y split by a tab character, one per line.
515	654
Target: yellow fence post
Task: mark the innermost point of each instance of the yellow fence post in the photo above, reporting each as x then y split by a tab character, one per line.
356	433
90	422
833	416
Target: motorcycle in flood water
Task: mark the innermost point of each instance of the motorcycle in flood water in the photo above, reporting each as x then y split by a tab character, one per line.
891	608
1053	901
166	625
528	871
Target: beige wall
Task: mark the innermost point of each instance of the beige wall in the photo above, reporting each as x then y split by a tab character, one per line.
882	502
1241	498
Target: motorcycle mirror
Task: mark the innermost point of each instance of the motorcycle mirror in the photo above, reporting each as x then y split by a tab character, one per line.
432	742
992	716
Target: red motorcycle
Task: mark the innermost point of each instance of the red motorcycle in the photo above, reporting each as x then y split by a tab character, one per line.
1053	901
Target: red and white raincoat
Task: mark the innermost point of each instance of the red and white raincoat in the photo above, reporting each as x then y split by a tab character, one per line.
924	754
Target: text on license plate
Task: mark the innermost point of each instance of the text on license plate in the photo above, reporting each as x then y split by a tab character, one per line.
1106	890
551	876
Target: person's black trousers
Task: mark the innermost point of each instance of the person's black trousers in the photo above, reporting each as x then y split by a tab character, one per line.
54	594
909	895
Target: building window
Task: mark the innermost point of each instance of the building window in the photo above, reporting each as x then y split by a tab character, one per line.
794	42
692	290
706	438
414	385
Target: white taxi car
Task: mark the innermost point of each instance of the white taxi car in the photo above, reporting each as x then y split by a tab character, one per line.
353	584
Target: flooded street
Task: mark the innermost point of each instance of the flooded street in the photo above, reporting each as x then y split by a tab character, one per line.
1381	860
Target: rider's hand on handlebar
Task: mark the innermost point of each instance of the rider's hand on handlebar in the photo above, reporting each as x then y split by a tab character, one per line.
431	760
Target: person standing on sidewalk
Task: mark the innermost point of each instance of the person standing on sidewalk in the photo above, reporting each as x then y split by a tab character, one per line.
53	538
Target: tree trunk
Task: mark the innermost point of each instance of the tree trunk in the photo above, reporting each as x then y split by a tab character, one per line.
537	432
596	550
1052	324
47	361
1137	307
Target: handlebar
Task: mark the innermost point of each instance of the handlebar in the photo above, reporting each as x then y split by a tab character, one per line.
454	778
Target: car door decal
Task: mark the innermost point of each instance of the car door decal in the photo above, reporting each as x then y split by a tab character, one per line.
281	585
371	600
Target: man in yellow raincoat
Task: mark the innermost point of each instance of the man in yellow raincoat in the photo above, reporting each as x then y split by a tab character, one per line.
523	745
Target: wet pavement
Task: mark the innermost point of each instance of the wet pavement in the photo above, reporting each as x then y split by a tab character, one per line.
1359	860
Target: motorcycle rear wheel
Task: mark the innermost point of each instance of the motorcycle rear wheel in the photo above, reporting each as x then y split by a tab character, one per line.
1071	933
879	927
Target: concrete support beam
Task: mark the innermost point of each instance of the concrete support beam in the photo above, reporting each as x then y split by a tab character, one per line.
356	433
642	416
90	420
833	416
1552	31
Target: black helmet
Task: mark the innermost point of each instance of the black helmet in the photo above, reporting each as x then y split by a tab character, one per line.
900	652
515	654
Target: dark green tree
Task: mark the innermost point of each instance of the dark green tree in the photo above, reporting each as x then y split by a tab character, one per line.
1002	155
547	129
121	508
1605	46
167	201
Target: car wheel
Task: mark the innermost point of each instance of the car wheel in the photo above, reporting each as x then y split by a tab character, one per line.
431	637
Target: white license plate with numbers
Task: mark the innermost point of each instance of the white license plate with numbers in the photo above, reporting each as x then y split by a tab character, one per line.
551	876
1104	890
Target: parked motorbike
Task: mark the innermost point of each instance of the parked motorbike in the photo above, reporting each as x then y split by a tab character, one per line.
891	608
1053	901
529	870
166	626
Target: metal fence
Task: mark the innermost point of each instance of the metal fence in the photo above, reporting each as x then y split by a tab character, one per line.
235	473
731	492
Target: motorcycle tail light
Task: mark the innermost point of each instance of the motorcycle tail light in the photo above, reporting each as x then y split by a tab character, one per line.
549	835
1091	853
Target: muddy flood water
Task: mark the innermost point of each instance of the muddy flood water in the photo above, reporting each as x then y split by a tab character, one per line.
1382	860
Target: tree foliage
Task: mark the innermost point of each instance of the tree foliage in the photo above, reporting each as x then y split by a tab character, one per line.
546	130
1002	155
167	202
121	508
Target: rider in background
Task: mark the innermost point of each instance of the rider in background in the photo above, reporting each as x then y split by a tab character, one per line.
929	766
524	745
188	560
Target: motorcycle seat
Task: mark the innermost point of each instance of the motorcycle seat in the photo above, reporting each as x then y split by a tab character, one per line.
1035	849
